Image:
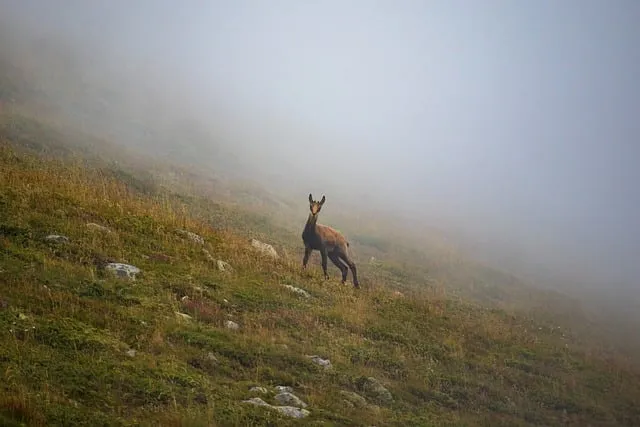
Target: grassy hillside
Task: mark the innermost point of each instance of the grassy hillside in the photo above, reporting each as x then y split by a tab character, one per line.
411	257
461	344
81	346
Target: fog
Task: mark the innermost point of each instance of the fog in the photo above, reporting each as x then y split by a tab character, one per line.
511	125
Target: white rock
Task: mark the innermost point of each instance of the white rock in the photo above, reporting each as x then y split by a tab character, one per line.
224	266
257	401
298	291
265	248
230	324
284	389
123	270
192	236
289	399
292	411
261	390
184	316
325	363
289	411
57	238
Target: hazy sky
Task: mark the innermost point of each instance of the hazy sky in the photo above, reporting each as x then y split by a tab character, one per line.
518	121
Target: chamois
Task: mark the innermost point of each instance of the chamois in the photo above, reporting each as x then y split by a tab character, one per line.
330	242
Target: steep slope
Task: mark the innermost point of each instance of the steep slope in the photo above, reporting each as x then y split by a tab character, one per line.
84	347
114	111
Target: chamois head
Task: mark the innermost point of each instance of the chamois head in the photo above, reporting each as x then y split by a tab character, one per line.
315	206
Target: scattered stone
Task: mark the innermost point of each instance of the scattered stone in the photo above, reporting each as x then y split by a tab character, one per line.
257	389
289	399
57	238
289	411
375	391
184	316
224	266
292	411
398	294
284	389
185	298
256	401
208	255
265	248
230	324
131	353
192	236
353	399
325	363
212	357
97	227
298	291
123	270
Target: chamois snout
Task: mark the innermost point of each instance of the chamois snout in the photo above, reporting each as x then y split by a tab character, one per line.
315	206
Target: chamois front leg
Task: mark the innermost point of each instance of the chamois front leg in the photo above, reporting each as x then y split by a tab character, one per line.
323	253
307	254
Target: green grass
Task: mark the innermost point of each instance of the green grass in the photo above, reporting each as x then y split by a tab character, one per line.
66	325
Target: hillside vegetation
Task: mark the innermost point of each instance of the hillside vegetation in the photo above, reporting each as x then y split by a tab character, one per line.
81	346
448	341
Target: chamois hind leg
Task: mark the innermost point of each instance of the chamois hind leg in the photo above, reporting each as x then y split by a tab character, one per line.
333	256
352	265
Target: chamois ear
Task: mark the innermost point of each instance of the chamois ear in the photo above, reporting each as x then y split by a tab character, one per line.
322	200
310	198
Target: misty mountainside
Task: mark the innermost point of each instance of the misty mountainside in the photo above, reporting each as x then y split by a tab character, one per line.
56	95
124	303
106	165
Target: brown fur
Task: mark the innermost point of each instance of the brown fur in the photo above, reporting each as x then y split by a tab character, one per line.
329	242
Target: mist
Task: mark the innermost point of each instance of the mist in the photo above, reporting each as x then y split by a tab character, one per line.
510	126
